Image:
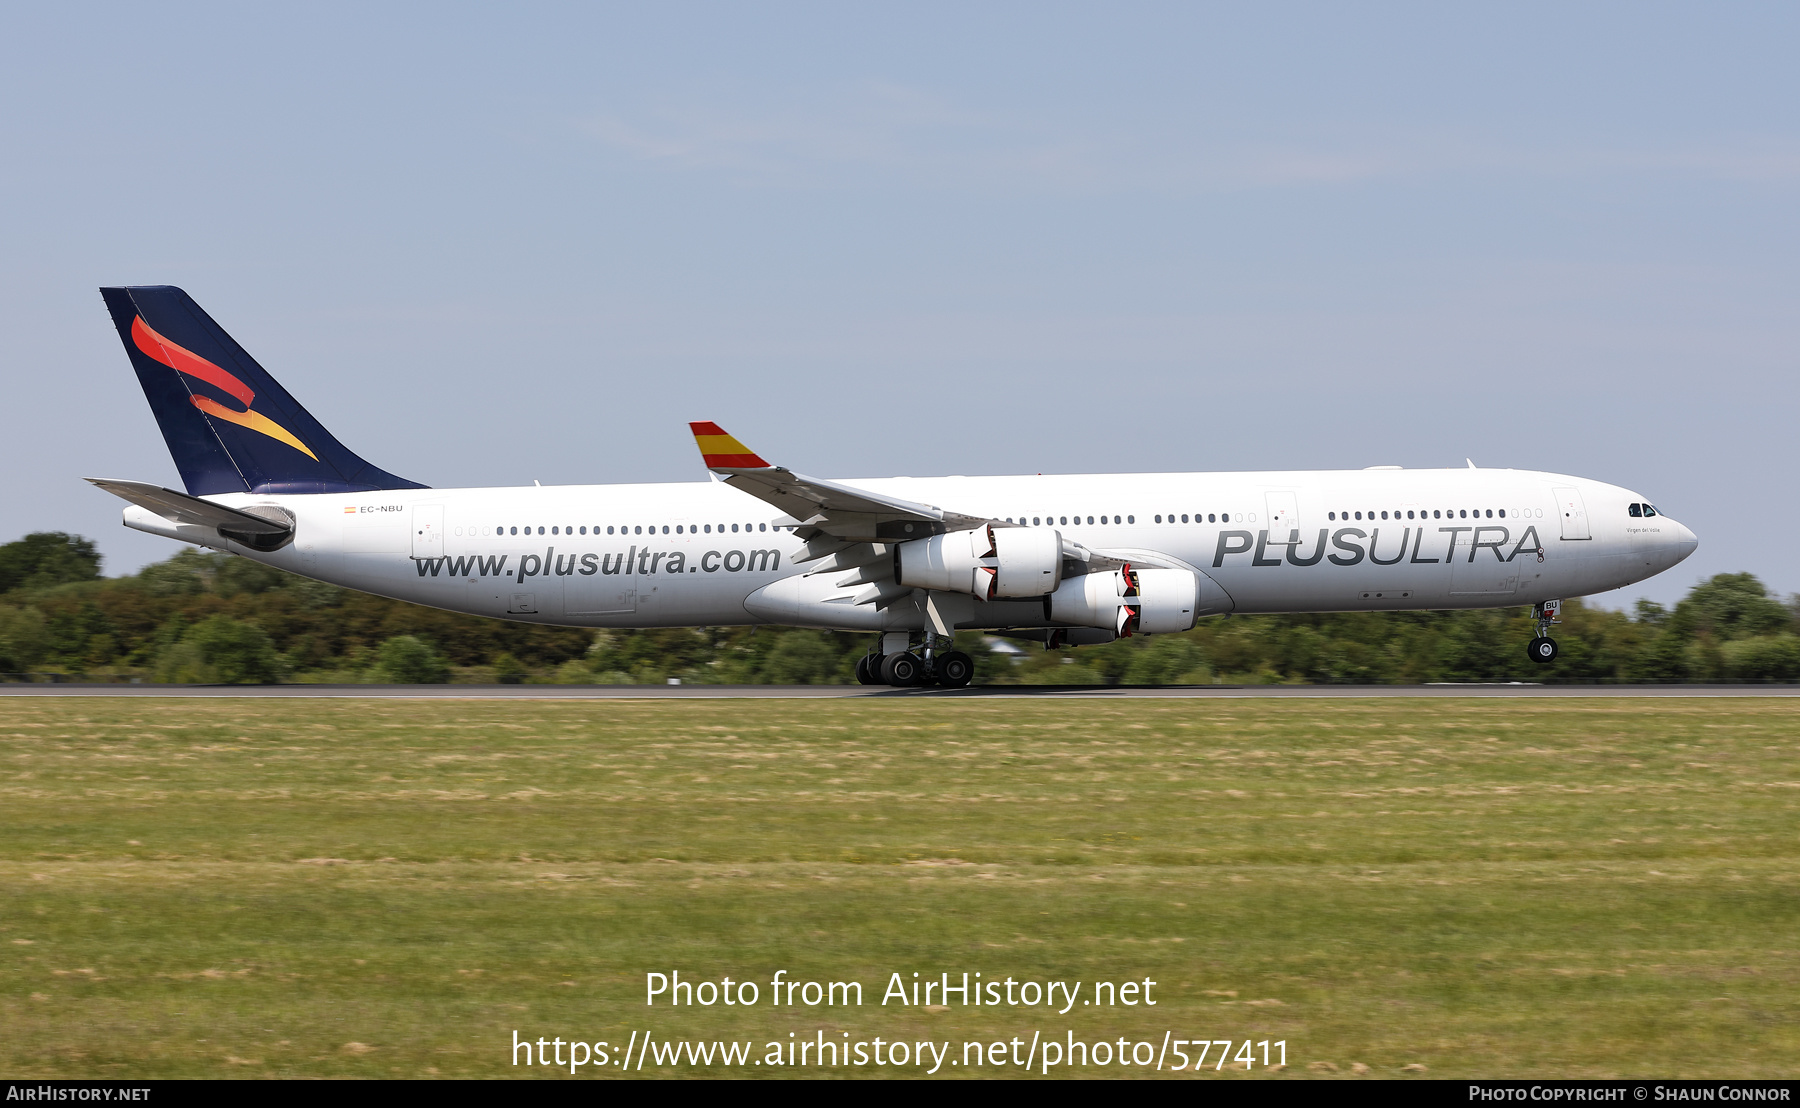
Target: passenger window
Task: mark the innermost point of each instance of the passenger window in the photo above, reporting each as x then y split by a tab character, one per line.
1159	519
1130	519
1090	519
734	528
1035	521
762	527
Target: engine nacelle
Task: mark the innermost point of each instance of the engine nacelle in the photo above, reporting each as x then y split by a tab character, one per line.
1128	601
987	562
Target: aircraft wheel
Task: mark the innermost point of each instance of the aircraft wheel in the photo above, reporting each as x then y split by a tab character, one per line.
868	669
955	669
903	670
1543	650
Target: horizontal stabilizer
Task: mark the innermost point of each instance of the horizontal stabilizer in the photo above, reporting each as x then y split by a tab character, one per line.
179	507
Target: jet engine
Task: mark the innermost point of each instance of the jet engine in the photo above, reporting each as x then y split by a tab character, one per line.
987	562
1128	601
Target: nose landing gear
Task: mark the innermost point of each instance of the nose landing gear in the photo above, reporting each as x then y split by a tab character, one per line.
1543	649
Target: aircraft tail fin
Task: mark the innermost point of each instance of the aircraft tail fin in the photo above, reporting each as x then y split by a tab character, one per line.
230	426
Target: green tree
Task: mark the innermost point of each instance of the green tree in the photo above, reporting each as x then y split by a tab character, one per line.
409	660
1163	660
188	573
1730	606
241	575
804	657
1761	658
45	558
23	639
221	650
507	669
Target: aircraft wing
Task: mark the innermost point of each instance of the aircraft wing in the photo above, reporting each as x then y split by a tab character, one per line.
824	507
182	508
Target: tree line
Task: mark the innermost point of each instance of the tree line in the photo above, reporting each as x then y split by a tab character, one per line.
213	618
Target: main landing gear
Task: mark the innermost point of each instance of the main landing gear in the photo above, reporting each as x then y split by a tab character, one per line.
1543	648
913	667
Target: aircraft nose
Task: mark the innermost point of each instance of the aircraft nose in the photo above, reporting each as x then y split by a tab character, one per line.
1682	543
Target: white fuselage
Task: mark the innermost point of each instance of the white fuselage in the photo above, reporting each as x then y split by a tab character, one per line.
707	554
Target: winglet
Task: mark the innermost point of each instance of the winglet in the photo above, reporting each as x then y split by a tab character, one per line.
721	451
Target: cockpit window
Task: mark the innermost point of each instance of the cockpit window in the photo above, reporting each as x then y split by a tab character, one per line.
1635	511
1649	509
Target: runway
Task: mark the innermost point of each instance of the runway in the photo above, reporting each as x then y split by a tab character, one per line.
874	692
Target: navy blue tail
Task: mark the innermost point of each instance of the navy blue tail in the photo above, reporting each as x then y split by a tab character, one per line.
230	426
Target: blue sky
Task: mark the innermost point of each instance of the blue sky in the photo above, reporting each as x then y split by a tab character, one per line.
487	245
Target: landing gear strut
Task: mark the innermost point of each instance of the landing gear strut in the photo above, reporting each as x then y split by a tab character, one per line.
1543	648
868	669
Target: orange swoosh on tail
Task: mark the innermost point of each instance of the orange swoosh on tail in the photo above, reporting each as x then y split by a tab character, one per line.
256	421
187	362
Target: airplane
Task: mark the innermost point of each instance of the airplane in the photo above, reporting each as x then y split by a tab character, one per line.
1063	559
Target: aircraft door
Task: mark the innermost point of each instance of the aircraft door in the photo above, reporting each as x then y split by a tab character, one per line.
427	530
599	595
1284	515
611	589
1573	511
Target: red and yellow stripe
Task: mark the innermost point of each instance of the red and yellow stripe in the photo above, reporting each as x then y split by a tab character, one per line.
722	451
186	361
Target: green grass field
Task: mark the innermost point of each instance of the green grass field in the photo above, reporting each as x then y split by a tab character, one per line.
376	888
